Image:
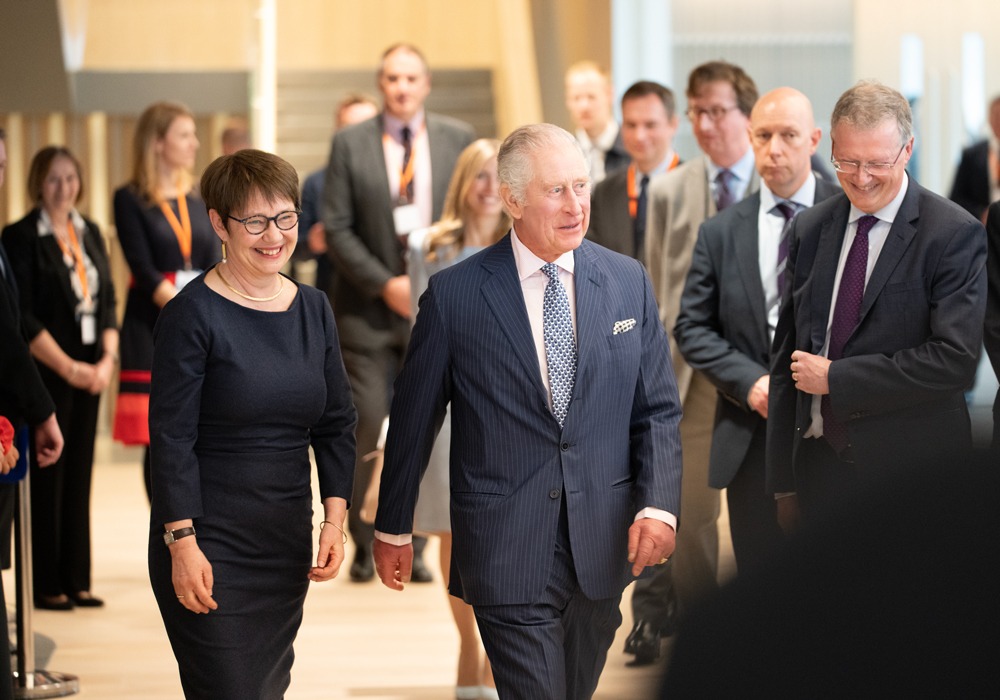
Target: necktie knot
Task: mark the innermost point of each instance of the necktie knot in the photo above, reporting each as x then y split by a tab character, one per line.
786	209
865	224
552	270
405	135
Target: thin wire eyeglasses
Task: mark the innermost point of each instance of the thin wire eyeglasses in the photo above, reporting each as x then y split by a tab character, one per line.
715	113
257	224
850	167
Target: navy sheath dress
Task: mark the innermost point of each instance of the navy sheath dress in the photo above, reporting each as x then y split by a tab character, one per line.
238	396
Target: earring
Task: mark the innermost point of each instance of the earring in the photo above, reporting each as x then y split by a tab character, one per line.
223	251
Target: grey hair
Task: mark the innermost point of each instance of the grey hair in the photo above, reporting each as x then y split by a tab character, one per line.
514	160
868	103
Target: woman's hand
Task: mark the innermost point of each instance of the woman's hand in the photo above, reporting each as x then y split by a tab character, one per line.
331	540
103	372
80	375
192	576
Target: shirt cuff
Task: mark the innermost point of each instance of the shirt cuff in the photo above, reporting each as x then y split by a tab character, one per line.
397	540
657	514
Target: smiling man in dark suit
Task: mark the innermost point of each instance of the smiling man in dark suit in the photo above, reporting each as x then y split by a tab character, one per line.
565	454
729	310
881	322
387	176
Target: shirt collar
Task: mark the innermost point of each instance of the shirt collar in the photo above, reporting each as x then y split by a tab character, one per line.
889	211
662	167
45	227
803	198
604	141
528	263
742	169
394	125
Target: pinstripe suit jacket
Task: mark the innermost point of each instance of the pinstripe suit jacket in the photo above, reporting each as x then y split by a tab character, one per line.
511	464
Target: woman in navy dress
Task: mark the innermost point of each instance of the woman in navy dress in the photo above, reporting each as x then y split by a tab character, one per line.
247	375
167	240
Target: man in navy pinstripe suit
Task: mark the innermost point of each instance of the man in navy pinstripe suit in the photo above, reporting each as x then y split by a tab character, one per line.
551	518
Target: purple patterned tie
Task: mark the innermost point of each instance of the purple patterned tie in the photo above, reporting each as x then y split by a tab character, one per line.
846	314
723	194
787	210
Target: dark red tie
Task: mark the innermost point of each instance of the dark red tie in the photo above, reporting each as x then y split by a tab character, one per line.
845	319
723	193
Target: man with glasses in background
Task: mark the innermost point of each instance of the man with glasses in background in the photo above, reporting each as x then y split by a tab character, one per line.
881	322
720	97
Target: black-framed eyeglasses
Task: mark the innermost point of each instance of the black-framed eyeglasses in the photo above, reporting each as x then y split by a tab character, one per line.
850	167
257	224
715	113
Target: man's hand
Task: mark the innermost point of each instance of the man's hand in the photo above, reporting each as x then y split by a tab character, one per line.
316	238
396	295
650	541
810	373
48	442
757	398
393	563
788	513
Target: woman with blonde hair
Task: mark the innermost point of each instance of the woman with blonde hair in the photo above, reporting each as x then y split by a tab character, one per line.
167	240
473	219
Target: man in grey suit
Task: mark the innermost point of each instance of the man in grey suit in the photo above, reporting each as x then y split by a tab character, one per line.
619	202
881	323
720	96
729	310
565	456
387	176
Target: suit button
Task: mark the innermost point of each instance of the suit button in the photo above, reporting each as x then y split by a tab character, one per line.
564	446
554	494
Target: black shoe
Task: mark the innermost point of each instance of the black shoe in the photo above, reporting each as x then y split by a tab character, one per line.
83	599
363	567
644	643
53	602
420	573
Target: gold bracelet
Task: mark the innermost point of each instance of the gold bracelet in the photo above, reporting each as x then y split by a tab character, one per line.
328	522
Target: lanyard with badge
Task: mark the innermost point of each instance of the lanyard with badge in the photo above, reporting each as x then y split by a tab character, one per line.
85	310
405	214
182	229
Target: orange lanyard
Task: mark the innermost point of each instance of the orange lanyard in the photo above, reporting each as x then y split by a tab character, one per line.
181	227
633	194
405	170
77	253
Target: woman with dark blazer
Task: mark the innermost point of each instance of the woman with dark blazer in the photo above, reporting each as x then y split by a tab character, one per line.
167	240
67	303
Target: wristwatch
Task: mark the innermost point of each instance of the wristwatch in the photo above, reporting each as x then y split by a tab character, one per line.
171	536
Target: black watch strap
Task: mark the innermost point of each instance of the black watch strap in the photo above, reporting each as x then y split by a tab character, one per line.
171	536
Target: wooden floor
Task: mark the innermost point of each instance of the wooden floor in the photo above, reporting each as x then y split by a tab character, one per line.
357	640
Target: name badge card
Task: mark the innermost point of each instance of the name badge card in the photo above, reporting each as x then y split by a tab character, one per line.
185	276
406	218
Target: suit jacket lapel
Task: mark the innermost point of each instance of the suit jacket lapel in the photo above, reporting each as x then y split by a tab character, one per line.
897	241
747	247
824	271
375	153
442	162
591	314
503	294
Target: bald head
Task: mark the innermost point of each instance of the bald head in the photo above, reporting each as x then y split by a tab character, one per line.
784	136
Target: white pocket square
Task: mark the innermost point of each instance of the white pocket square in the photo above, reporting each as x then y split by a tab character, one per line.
623	326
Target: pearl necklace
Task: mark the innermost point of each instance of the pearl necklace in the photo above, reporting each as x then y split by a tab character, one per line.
234	290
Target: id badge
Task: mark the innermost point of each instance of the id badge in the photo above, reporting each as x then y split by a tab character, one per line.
406	217
185	276
88	328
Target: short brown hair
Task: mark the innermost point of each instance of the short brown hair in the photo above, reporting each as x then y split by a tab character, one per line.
230	181
643	88
721	71
39	170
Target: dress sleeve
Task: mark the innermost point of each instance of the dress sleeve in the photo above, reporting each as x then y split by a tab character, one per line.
332	437
181	343
135	238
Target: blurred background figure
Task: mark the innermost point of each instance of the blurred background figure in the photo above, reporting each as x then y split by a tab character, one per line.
68	312
236	136
247	376
977	180
473	219
590	101
167	240
312	247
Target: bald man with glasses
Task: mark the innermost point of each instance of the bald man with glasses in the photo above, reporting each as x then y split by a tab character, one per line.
881	321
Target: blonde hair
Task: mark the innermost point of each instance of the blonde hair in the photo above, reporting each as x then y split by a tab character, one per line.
446	237
154	123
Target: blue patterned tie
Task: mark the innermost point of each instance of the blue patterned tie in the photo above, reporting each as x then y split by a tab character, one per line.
560	344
